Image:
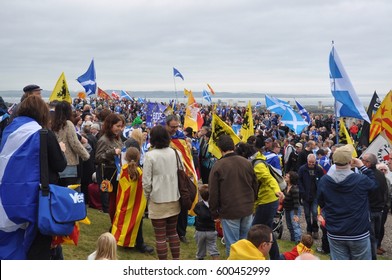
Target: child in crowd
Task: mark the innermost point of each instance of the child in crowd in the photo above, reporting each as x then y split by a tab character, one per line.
303	247
205	234
94	196
106	248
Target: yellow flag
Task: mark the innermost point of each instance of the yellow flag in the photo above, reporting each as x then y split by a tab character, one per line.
219	127
247	128
344	137
382	119
191	112
60	91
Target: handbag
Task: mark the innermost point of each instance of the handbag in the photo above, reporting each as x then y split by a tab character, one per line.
58	207
106	185
274	172
186	186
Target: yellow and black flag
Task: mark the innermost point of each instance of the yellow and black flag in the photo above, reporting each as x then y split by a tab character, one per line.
247	128
60	91
219	127
344	136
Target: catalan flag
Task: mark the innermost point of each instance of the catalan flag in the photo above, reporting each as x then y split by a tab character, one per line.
130	206
382	119
211	90
180	144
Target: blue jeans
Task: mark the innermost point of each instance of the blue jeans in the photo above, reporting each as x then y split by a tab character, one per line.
293	227
234	230
350	250
310	210
265	214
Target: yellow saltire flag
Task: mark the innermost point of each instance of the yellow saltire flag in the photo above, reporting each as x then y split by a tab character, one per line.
60	91
191	112
382	119
344	137
219	127
247	128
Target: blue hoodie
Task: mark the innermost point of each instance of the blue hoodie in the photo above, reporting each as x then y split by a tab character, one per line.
344	198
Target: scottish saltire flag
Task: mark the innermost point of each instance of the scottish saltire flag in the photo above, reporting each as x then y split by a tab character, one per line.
207	96
303	112
177	73
87	80
276	105
347	103
125	95
294	121
140	100
19	152
290	118
258	104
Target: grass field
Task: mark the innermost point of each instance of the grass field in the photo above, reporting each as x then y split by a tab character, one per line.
100	223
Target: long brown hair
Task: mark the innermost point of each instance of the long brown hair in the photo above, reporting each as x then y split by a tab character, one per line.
34	107
132	156
62	113
110	120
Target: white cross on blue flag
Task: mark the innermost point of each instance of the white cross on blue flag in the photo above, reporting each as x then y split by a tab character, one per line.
347	103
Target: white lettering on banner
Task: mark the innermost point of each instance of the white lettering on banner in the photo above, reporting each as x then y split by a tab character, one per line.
77	197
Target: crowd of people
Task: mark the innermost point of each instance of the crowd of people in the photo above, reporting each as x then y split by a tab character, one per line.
347	198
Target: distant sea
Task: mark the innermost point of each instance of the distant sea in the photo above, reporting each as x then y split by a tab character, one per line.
228	98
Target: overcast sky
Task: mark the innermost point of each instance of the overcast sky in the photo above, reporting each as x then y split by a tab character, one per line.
279	46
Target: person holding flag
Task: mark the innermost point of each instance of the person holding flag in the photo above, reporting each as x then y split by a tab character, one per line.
179	143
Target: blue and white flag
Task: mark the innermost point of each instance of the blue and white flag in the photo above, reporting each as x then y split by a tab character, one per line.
276	105
177	73
207	96
4	117
347	103
294	121
19	151
290	118
155	114
303	112
125	95
87	80
258	104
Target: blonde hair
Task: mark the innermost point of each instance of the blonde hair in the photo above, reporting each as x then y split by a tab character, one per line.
137	134
132	156
106	247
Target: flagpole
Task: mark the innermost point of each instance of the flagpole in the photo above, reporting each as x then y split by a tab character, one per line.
175	87
334	89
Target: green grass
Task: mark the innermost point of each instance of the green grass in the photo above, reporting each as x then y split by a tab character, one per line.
100	223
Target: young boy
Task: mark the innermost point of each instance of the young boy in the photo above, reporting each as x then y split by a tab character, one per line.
205	234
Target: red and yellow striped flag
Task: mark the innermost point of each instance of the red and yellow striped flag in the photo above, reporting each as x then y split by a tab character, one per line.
103	94
211	90
382	119
130	206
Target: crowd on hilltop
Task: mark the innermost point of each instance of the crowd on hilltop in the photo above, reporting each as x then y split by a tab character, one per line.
109	140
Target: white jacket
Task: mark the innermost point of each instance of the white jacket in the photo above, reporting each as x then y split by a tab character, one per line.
160	183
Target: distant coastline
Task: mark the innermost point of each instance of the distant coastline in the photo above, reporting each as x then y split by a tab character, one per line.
228	98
